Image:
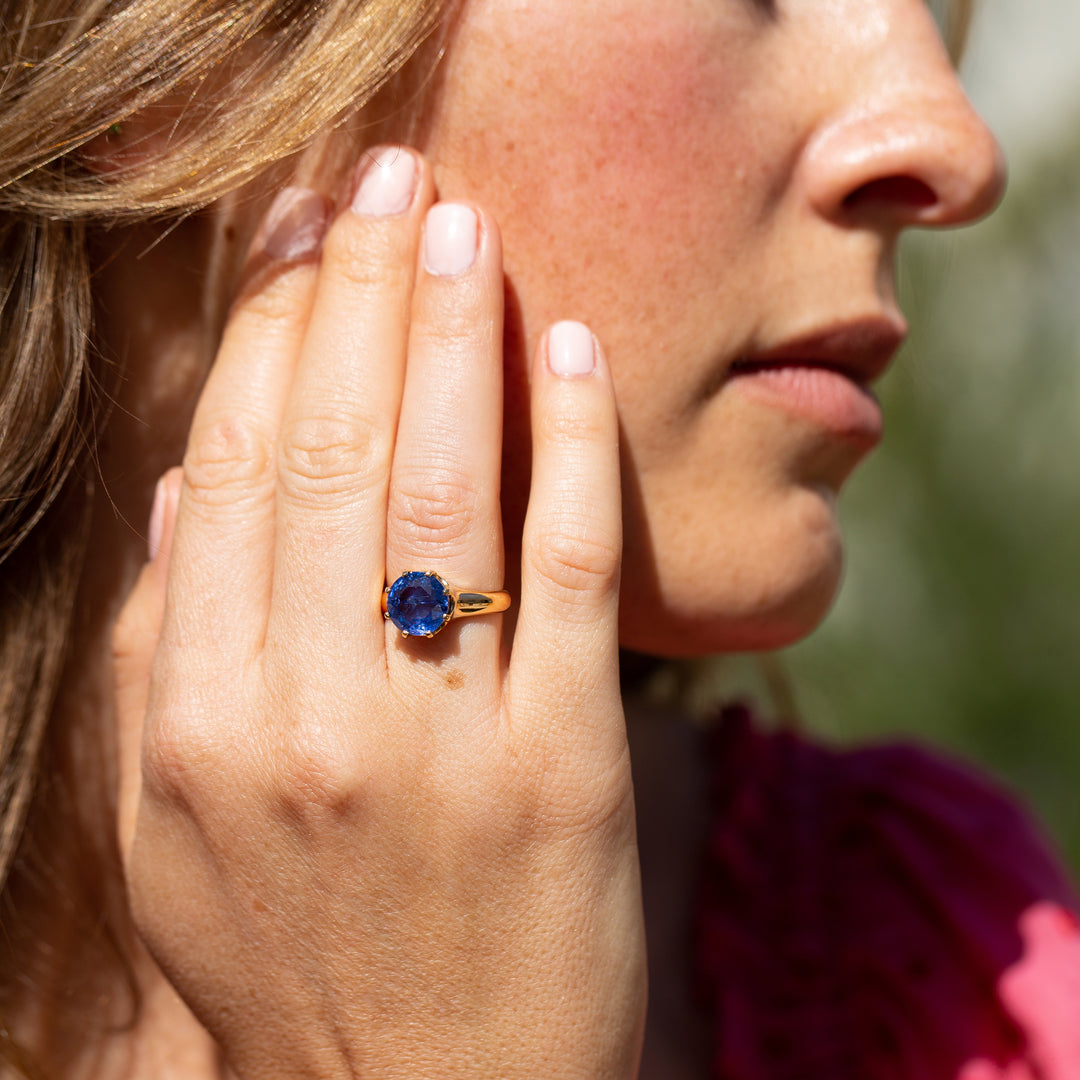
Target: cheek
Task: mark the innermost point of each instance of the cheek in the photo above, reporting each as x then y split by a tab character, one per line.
635	165
603	151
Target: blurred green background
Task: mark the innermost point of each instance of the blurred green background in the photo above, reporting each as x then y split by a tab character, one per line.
959	621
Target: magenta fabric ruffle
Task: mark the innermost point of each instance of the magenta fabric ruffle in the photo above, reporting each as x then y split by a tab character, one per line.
881	913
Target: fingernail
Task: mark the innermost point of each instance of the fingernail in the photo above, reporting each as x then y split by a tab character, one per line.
157	519
386	184
450	237
295	224
570	349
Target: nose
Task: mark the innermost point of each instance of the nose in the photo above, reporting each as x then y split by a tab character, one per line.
906	149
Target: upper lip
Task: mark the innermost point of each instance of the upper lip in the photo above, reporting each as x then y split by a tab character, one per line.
861	348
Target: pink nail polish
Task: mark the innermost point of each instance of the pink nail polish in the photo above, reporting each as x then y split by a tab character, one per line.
295	224
450	239
570	349
387	183
157	519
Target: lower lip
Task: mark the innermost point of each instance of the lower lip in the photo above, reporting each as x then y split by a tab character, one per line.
826	398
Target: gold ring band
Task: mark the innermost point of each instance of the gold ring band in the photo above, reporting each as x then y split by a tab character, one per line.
420	603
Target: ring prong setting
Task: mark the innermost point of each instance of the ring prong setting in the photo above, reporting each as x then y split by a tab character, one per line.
419	603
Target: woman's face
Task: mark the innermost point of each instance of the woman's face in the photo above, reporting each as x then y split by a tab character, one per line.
716	188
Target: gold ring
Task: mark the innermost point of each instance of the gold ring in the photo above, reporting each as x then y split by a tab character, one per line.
420	603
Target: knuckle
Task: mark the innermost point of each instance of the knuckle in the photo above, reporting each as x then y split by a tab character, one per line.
434	512
568	794
576	560
604	810
318	787
275	307
178	757
365	262
226	455
322	768
451	325
563	427
320	456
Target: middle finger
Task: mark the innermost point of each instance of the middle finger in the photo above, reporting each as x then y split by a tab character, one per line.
337	437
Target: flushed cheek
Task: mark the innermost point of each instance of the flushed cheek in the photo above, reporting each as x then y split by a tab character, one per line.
618	159
635	167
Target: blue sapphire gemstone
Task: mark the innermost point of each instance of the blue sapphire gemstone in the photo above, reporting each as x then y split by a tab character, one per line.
418	603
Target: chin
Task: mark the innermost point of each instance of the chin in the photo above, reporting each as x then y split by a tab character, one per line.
762	585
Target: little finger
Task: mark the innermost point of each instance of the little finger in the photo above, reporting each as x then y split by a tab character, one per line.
564	665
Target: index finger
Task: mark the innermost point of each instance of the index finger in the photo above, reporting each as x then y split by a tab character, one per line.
222	556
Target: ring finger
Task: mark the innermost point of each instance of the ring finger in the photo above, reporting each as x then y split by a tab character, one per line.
443	510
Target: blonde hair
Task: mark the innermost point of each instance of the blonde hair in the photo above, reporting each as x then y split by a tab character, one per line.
71	71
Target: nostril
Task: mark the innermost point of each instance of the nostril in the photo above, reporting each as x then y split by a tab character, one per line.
922	159
906	192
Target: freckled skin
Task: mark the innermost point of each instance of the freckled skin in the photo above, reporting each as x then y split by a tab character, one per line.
677	174
680	174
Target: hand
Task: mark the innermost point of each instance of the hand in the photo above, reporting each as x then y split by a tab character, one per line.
355	854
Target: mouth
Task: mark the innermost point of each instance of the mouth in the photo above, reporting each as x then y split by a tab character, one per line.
824	376
860	350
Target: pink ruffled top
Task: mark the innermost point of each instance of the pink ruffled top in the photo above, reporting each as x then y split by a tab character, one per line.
881	913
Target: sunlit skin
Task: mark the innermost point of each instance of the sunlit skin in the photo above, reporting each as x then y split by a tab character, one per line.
702	181
704	184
